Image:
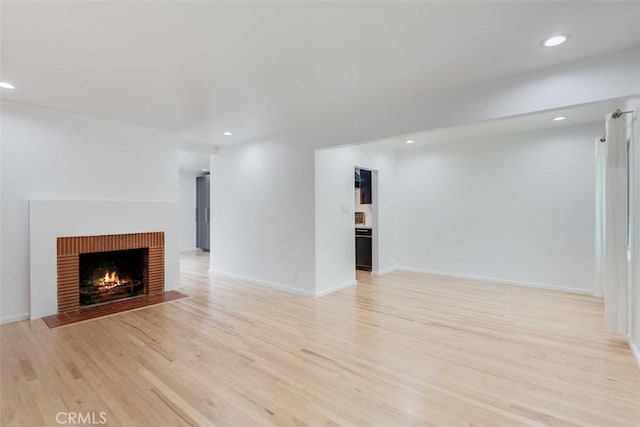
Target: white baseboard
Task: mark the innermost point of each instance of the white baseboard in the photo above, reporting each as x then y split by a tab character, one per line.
384	271
634	350
16	318
189	250
259	282
336	288
498	281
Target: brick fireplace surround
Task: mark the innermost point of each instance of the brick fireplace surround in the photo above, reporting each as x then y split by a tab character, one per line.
68	262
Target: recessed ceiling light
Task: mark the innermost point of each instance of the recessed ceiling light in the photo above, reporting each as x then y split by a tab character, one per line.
559	118
5	85
554	40
410	141
205	170
227	133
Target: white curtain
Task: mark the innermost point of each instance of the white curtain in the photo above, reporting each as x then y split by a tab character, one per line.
611	224
601	167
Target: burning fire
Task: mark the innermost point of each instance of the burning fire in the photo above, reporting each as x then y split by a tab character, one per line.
113	277
110	280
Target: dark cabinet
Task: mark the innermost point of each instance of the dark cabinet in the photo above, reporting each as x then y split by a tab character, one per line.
363	182
363	249
202	212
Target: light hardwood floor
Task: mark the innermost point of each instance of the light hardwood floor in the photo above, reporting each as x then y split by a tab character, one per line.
404	349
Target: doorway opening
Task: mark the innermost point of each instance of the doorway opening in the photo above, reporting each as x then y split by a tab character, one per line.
366	219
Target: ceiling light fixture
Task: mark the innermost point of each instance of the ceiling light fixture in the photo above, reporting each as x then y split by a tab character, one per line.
5	85
559	118
227	133
205	170
410	141
554	40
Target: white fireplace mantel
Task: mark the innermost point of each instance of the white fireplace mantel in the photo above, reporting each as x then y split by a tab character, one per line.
50	219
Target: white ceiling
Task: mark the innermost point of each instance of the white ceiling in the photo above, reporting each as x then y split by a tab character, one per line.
576	115
267	69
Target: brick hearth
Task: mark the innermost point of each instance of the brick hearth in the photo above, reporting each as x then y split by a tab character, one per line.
75	316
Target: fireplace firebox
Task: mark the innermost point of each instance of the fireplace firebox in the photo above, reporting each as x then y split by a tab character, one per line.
111	275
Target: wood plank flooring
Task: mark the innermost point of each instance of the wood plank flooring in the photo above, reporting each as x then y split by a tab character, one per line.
404	349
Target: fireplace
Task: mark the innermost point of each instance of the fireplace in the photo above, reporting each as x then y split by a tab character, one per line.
95	270
111	275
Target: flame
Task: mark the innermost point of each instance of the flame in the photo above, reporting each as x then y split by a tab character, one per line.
110	280
111	277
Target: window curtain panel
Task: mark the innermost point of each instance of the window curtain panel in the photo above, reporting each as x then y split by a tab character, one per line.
601	167
611	224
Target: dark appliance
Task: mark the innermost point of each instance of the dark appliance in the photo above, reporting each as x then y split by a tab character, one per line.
363	182
202	212
363	249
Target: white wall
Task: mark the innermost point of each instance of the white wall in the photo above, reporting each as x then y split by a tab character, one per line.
262	218
279	176
54	155
187	188
516	208
335	251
